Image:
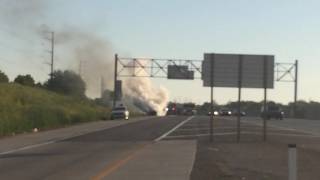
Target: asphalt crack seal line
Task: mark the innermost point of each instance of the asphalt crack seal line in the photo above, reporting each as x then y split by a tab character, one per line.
119	163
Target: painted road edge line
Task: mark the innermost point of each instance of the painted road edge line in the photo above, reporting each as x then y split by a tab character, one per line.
173	129
27	147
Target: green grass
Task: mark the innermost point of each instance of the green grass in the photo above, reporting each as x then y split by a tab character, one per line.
23	108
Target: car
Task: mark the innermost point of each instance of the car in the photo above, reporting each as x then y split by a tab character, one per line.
215	113
188	112
272	112
152	113
242	113
119	112
225	112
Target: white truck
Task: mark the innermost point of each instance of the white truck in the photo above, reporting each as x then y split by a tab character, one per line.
119	112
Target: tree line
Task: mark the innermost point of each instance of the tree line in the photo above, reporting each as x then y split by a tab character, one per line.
63	82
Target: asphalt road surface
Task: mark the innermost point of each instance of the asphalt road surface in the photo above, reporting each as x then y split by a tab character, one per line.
172	147
85	156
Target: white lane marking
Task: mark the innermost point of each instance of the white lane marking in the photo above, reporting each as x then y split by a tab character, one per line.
65	138
182	129
173	129
27	147
196	135
234	133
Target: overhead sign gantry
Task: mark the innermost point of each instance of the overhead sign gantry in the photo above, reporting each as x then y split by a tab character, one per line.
216	70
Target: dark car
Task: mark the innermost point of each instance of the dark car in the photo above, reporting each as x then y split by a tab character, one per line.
242	113
225	112
152	113
272	112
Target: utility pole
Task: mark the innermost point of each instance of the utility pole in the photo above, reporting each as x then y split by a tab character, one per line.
80	68
51	51
52	54
102	86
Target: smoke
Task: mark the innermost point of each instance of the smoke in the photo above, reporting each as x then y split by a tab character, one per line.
91	57
147	96
150	96
84	51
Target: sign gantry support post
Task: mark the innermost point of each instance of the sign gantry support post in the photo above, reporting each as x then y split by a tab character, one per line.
295	89
288	72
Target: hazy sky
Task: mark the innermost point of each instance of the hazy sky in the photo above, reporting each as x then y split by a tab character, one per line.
288	29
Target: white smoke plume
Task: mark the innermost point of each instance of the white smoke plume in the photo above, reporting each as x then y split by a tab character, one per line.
151	96
73	45
91	56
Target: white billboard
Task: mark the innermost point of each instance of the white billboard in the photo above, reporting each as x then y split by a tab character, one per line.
227	72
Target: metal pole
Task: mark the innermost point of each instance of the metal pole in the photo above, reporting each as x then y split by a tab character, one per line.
295	89
292	162
115	78
80	67
52	54
211	97
134	65
239	97
265	98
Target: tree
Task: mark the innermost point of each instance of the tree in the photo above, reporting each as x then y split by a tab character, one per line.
3	77
26	80
39	85
66	82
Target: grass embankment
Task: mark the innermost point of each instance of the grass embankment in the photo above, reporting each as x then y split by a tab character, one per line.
24	108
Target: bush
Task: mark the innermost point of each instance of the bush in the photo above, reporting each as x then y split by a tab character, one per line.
66	82
23	108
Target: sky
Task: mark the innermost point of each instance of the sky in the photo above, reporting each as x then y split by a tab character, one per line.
287	29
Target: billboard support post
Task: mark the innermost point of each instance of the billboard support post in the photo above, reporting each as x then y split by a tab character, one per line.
211	97
239	97
265	73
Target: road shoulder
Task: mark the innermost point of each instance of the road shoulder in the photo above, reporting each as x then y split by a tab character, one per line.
31	140
170	160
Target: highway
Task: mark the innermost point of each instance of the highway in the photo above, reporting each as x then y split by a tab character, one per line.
171	147
86	156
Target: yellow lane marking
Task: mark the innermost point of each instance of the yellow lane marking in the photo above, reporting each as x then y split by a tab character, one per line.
117	164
